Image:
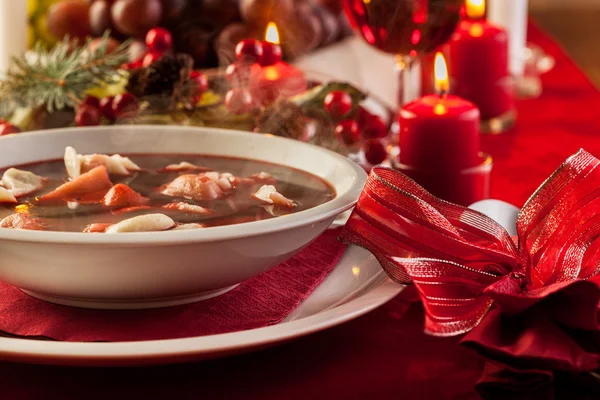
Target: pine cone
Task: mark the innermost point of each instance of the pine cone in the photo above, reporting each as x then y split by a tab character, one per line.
168	77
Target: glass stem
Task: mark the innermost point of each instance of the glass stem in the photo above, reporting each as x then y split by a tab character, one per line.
409	79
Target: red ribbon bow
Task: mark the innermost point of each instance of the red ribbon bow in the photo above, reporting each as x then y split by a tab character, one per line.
543	286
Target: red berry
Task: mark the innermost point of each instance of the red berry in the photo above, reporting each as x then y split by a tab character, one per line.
271	54
124	103
375	128
91	101
375	151
200	80
249	50
239	74
159	39
238	101
338	103
348	132
87	116
150	58
106	107
363	117
6	128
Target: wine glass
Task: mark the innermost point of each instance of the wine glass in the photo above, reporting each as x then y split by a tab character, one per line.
406	28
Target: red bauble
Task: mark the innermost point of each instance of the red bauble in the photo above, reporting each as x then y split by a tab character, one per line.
375	128
6	128
249	50
159	40
150	58
238	101
124	103
106	107
348	132
338	103
271	54
375	151
87	116
91	101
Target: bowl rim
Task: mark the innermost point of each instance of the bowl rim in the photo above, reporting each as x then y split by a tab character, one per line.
342	202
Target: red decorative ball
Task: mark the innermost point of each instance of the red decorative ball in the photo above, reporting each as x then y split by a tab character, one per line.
348	132
124	103
271	54
238	101
375	128
91	101
249	50
106	107
6	128
87	116
338	103
375	151
150	58
159	40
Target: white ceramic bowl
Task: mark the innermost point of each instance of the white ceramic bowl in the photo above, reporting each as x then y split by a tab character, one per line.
158	269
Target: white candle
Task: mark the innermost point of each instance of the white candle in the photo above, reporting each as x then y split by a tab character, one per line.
13	31
512	15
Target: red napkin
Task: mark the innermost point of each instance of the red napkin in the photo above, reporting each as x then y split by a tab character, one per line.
543	287
259	302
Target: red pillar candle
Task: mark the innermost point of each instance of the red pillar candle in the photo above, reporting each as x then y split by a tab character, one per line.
439	132
439	144
478	63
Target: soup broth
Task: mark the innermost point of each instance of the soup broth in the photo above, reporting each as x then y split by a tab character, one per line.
206	191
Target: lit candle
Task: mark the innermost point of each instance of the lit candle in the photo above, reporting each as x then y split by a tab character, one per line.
478	58
512	16
13	31
277	80
439	131
439	144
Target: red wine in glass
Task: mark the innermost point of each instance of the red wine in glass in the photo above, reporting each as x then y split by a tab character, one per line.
407	28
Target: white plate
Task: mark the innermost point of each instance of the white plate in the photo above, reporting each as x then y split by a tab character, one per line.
356	286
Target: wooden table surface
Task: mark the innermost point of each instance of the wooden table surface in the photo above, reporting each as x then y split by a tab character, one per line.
578	31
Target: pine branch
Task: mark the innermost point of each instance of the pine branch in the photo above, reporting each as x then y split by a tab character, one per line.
59	77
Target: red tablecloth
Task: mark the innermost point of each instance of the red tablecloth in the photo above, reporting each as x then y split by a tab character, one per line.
383	355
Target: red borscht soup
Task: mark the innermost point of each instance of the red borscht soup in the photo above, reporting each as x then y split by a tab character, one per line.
98	193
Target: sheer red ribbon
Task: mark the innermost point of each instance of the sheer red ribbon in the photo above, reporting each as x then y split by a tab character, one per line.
464	263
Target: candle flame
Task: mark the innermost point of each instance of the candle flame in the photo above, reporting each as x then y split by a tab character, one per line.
475	9
272	33
442	82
